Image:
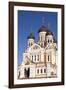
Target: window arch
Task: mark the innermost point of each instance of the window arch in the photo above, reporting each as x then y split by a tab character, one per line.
44	70
38	71
41	70
41	44
35	57
48	40
31	44
38	57
48	58
32	57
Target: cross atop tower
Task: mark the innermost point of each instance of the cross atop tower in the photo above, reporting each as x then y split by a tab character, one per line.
49	25
43	20
31	26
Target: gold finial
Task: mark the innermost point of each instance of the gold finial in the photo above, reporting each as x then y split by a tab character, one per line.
31	22
43	20
31	28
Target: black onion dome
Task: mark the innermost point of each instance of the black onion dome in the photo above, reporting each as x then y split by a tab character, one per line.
49	33
43	29
30	36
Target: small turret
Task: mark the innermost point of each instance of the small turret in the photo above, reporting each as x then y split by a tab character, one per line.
49	37
42	33
30	40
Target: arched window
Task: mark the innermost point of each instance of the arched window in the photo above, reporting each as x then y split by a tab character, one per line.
38	71
19	74
44	70
41	70
48	57
48	40
32	57
35	57
38	57
41	44
31	44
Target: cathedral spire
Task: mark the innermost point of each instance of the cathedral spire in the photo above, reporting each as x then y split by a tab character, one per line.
30	36
31	22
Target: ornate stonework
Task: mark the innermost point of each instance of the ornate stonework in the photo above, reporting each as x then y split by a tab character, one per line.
40	58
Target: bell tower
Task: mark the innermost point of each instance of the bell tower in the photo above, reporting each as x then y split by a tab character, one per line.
42	34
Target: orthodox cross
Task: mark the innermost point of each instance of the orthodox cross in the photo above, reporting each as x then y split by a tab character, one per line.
49	26
43	20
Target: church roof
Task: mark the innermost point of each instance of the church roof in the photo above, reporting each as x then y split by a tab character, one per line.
30	36
49	33
43	29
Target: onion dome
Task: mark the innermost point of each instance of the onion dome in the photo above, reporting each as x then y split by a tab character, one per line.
49	33
30	36
43	29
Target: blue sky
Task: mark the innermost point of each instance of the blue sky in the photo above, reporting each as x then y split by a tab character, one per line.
31	21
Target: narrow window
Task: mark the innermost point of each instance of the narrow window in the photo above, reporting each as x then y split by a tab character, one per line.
35	57
51	41
45	57
41	44
48	40
38	71
32	57
41	70
48	57
44	70
38	58
31	44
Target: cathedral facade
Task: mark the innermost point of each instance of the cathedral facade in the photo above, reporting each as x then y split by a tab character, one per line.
40	58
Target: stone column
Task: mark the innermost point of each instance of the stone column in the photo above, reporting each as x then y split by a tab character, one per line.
32	71
22	72
48	69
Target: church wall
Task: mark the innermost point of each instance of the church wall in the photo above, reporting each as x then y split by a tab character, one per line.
36	55
42	36
30	42
56	57
48	69
49	39
41	72
22	72
53	57
47	57
42	56
32	71
26	56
